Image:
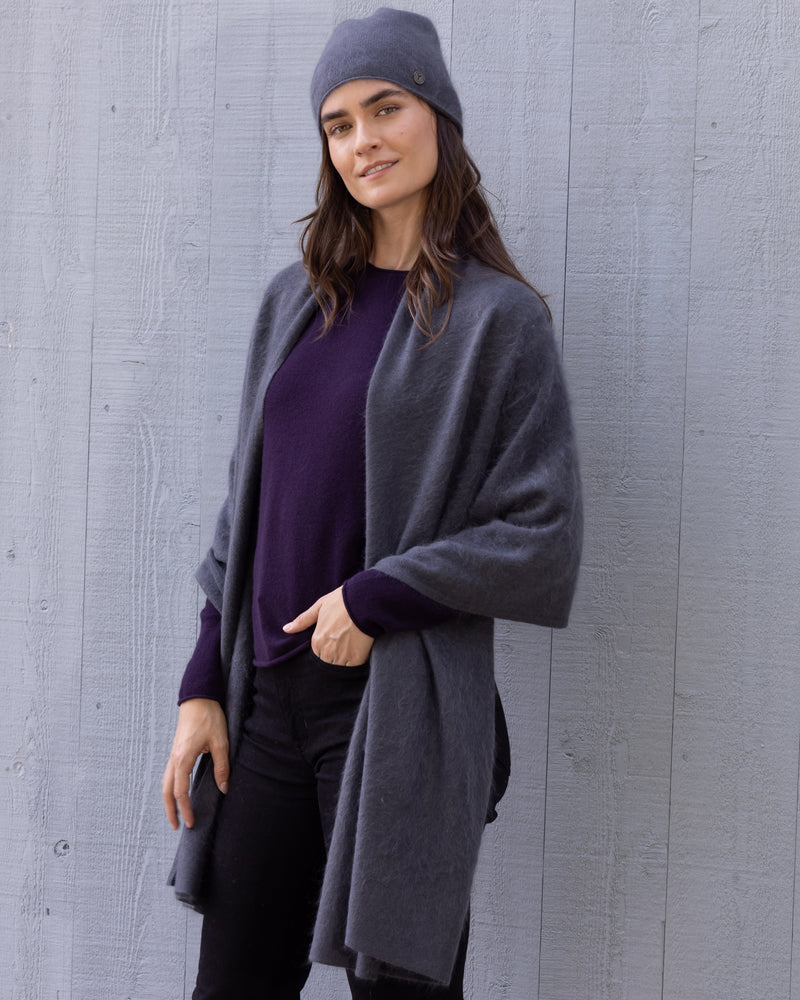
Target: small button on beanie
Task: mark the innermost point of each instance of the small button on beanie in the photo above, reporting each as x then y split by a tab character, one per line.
393	45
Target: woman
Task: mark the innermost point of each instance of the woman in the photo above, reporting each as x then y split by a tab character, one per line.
404	472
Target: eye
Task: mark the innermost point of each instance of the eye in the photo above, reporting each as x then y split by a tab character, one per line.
388	109
338	129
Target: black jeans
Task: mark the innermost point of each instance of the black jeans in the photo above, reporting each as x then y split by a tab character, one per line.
274	827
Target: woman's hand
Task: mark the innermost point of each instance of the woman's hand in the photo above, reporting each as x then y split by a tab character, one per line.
336	639
201	729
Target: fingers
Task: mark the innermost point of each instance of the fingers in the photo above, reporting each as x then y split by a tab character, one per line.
167	794
304	620
336	638
175	792
181	794
201	729
222	772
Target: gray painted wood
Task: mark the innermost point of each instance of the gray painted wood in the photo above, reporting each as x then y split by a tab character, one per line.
733	816
627	274
643	160
47	254
154	103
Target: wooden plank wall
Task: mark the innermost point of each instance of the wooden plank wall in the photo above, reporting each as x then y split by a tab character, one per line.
643	159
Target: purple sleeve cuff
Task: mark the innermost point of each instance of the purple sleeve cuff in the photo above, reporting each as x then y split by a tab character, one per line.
202	677
378	603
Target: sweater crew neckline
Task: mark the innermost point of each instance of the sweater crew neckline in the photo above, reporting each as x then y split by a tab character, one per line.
386	270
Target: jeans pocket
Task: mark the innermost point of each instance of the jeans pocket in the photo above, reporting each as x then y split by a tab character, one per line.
358	672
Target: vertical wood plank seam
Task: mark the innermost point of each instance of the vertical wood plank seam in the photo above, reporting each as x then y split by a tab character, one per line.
199	596
198	600
794	880
452	32
544	808
89	401
550	673
680	503
569	168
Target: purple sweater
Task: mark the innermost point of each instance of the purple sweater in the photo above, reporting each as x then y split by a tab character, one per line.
312	508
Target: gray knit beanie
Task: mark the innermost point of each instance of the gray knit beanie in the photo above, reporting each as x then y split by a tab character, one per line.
393	45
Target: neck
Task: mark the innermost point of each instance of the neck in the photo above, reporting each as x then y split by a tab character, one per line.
396	240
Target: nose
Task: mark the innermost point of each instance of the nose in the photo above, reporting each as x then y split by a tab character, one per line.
366	137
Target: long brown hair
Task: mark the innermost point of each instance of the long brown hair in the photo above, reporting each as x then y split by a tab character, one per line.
457	223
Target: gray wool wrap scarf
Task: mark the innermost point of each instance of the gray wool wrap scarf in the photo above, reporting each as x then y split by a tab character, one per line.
473	498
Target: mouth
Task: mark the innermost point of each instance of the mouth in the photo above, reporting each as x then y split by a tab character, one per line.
378	168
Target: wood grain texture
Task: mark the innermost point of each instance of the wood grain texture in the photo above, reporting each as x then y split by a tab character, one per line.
642	161
155	106
625	307
734	800
48	137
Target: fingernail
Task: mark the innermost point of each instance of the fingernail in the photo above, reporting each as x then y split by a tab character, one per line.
224	787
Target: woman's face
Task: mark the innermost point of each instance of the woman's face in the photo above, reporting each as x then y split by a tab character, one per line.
382	142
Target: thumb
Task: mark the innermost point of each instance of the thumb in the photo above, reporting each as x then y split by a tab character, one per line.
304	620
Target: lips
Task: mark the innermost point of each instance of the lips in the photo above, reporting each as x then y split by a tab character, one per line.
377	168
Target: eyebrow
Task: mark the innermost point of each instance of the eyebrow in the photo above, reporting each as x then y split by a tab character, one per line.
379	96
